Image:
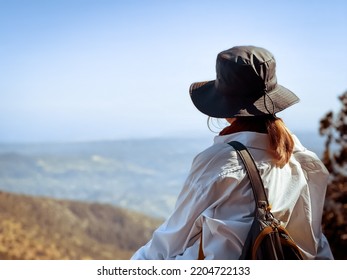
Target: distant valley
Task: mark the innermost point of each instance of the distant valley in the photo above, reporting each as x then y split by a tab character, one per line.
141	175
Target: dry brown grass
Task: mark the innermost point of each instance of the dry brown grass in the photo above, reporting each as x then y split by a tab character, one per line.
42	228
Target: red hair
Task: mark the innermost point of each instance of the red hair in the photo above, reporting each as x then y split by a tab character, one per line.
281	140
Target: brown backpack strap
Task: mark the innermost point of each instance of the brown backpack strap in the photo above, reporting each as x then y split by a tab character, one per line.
253	174
201	252
254	177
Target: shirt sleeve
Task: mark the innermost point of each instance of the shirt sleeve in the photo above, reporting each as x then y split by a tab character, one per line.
202	190
319	181
317	178
181	229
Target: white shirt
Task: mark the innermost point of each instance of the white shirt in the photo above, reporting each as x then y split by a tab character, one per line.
218	201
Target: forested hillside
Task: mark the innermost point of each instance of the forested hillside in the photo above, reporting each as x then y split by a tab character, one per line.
43	228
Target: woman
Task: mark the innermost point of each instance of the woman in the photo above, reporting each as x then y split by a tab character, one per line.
216	205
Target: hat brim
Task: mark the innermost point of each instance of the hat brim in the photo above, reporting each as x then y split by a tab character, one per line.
212	102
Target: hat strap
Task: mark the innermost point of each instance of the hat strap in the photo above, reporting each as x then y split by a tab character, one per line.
272	103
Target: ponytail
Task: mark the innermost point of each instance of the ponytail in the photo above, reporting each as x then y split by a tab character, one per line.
281	140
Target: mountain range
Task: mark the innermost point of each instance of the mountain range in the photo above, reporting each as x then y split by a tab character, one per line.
141	175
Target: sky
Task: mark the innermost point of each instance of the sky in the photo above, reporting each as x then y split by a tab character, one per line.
82	70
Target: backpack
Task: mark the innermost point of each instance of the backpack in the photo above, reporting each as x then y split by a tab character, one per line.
267	239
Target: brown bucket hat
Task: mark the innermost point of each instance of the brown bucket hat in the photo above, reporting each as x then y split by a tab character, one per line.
246	85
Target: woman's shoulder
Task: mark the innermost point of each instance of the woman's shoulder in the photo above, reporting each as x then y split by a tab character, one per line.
213	168
307	158
217	158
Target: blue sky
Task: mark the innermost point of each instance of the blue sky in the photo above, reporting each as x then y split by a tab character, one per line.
92	70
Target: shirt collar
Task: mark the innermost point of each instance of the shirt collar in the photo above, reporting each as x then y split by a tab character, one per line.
254	140
248	138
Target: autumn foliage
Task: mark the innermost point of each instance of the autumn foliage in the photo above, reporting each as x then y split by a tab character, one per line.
334	128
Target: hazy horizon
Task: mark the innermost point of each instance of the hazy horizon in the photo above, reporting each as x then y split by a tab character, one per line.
207	136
